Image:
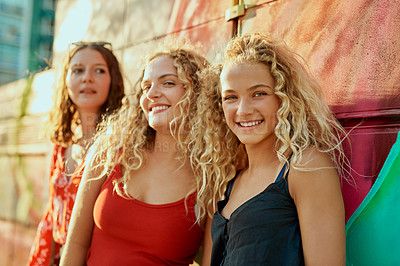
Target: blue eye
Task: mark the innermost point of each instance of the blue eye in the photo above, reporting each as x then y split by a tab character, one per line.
229	97
259	93
169	83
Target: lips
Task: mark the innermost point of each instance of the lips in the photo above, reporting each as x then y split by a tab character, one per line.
88	90
250	123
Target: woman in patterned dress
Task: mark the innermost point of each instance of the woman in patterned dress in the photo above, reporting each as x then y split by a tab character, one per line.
89	87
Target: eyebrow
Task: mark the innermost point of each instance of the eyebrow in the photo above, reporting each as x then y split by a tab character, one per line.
252	88
166	75
98	64
163	76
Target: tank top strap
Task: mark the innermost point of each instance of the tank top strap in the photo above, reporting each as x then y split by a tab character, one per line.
230	185
279	177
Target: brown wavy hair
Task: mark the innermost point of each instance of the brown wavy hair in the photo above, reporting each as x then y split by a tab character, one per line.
64	116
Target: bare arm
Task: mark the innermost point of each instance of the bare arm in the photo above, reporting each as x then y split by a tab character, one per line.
207	246
319	202
81	225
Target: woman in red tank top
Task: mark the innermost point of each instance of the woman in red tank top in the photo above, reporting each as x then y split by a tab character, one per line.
140	201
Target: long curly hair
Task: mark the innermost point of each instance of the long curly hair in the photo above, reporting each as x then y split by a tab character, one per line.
215	149
304	118
125	137
64	116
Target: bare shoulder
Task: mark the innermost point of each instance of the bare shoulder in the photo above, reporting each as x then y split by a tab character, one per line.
315	188
314	159
94	173
314	173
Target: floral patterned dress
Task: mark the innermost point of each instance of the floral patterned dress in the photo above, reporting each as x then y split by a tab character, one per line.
55	221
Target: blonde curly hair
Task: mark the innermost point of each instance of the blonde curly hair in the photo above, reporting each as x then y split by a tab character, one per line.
125	137
304	118
64	116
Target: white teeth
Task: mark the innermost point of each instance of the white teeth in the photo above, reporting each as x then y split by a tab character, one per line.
250	124
157	108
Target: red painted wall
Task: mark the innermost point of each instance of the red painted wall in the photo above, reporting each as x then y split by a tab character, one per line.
352	48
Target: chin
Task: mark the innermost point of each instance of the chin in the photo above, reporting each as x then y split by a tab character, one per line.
160	128
250	139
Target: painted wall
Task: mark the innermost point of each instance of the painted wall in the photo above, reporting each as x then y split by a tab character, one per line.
23	164
351	47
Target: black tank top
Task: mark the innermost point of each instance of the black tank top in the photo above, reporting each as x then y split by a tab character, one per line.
262	231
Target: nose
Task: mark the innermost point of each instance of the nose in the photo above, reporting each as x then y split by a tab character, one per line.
87	76
153	93
244	107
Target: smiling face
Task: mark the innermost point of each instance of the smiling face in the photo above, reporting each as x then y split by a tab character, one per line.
162	90
88	80
249	102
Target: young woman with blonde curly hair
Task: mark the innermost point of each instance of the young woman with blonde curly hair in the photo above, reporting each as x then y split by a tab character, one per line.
137	201
90	86
285	207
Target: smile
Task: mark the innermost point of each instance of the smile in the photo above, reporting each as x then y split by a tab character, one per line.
159	108
250	124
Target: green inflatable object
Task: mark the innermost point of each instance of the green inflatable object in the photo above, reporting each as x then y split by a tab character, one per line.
373	231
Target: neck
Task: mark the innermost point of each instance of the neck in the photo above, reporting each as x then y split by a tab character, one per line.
165	146
88	123
260	156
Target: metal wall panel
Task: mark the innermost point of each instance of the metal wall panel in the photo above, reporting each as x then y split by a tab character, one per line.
370	145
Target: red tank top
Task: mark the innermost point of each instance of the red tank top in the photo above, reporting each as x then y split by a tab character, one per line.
131	232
